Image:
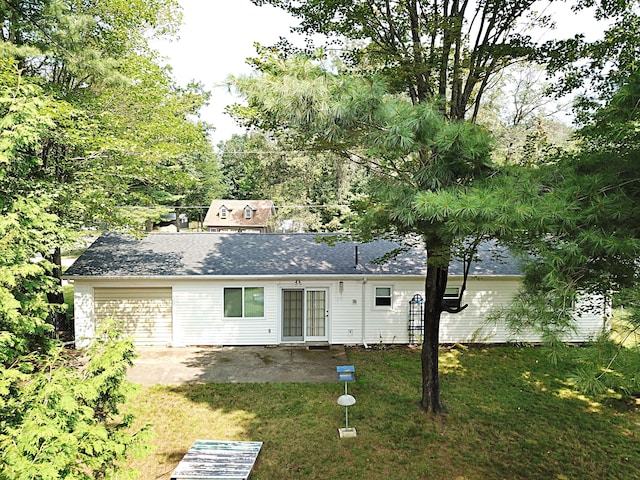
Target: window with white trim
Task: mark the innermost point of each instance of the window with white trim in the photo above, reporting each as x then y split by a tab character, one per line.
451	292
383	296
224	211
248	212
451	297
243	302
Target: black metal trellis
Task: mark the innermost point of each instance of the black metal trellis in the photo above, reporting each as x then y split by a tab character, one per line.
416	319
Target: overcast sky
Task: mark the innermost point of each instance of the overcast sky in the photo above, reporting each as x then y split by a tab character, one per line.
215	39
218	35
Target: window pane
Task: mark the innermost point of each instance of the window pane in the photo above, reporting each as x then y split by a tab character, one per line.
292	313
452	292
383	301
232	302
383	297
316	313
254	302
383	291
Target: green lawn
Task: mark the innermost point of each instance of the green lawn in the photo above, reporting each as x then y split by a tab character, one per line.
510	415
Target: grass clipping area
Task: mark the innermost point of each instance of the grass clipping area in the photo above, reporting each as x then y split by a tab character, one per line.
509	414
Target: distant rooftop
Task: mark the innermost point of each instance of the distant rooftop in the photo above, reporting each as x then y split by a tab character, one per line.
231	213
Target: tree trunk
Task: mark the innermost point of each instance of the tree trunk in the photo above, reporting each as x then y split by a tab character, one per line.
435	284
59	319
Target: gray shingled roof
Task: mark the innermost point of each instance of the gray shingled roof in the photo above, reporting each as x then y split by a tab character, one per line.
234	254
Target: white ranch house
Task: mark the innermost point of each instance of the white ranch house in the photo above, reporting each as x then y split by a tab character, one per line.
179	289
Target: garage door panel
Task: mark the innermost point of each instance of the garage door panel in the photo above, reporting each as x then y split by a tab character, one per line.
143	313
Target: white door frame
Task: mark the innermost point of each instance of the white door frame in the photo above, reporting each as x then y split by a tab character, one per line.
303	333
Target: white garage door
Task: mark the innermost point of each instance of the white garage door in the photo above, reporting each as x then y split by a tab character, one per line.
143	313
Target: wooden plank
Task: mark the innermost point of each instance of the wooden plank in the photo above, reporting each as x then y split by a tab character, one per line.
218	460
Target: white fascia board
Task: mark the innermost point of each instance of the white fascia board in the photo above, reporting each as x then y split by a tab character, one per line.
490	277
359	276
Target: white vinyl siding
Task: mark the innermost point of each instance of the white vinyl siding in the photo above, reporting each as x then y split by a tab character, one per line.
483	296
84	322
197	315
143	313
346	313
471	325
389	324
199	310
190	311
594	317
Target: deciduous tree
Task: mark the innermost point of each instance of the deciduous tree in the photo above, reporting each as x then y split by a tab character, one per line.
123	132
81	128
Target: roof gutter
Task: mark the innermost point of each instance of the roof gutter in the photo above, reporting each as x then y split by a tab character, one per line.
288	276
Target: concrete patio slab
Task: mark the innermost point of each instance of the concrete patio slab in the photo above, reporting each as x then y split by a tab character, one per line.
174	366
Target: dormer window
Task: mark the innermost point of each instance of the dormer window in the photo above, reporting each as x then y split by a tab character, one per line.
248	212
224	211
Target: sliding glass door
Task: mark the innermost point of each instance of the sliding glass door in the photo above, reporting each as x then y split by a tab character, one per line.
304	315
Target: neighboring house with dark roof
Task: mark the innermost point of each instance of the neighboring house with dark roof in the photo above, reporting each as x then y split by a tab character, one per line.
272	289
250	216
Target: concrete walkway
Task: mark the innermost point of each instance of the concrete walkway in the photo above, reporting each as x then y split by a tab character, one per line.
174	366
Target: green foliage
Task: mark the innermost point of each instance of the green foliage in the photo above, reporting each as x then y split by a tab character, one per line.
26	231
412	73
60	420
519	112
158	151
596	69
607	366
114	128
594	241
588	240
437	51
310	188
82	131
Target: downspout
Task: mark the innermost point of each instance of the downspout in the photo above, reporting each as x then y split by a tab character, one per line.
363	298
362	309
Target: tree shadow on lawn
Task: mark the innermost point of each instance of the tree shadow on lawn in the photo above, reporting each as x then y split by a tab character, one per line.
509	415
524	420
